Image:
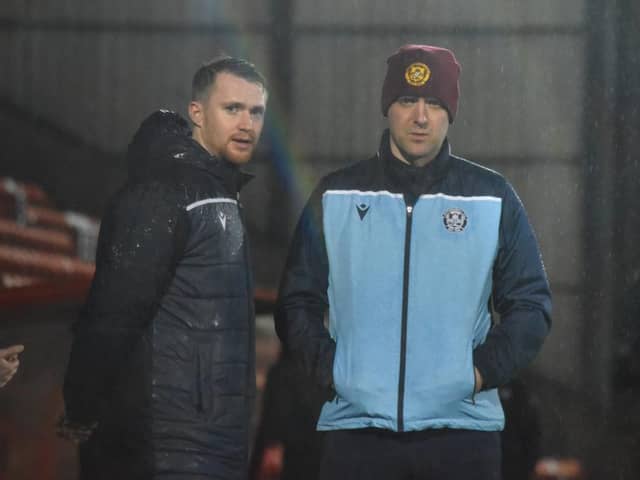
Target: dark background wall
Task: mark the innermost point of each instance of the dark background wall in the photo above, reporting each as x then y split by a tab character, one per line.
549	97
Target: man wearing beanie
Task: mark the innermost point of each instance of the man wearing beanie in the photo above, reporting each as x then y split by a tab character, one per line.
412	251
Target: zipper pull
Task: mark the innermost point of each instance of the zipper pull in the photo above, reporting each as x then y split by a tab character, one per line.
409	209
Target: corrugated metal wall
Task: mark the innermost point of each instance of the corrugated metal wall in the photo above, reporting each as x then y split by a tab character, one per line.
97	68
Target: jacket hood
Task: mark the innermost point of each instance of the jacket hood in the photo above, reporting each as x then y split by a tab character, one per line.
163	143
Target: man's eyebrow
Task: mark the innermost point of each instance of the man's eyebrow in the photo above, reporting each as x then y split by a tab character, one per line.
238	103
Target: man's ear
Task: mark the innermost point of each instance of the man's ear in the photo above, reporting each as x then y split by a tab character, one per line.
195	113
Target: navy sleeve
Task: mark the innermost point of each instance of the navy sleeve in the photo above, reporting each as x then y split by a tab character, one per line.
302	300
521	297
141	238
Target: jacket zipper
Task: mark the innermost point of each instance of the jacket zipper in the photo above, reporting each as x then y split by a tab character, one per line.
248	286
405	304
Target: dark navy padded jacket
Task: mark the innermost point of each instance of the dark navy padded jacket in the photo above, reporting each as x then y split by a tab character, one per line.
163	354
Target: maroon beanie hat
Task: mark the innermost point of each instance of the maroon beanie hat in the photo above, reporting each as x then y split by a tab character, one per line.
422	71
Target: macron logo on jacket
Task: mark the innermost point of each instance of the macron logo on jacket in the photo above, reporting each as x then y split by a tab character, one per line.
362	210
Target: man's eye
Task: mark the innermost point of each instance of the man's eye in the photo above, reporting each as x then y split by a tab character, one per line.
232	108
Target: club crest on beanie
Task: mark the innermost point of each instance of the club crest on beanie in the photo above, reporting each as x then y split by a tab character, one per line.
422	71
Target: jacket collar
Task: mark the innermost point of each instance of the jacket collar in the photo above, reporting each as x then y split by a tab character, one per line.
229	174
405	178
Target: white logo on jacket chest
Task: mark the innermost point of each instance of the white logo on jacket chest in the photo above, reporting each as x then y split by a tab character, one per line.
223	220
455	220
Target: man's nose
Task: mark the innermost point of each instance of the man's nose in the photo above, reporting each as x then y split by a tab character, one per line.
421	114
245	122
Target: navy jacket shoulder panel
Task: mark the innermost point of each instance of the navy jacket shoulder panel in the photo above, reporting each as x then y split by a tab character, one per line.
362	175
471	179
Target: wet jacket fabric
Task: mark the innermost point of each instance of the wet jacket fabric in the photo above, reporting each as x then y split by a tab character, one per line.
408	261
163	354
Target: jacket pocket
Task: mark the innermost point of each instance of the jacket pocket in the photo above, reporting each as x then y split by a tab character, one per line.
202	392
471	398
